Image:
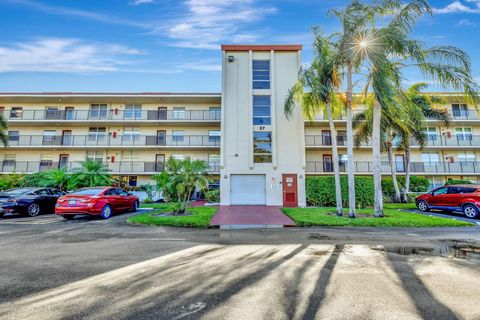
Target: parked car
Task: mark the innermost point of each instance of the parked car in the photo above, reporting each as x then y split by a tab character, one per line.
464	198
102	201
29	201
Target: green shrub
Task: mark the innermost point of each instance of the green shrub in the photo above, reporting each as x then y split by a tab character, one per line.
321	191
213	196
417	184
457	181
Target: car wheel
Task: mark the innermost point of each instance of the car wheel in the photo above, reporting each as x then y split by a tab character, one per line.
422	205
33	209
135	206
470	211
106	212
68	216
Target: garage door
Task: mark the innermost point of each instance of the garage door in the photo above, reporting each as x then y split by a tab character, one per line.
247	190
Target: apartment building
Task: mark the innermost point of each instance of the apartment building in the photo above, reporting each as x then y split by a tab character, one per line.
256	153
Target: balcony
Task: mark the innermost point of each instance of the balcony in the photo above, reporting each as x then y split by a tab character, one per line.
114	141
433	141
364	167
112	115
120	167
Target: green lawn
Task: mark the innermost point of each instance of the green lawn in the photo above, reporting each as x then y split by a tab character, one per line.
305	217
200	217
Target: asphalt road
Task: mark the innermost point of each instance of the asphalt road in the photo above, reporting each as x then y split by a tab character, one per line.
96	269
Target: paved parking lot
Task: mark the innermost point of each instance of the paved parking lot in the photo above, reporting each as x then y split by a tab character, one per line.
457	215
88	268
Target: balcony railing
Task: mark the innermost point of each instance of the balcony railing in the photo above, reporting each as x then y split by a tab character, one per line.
437	141
106	115
114	141
119	167
415	167
462	115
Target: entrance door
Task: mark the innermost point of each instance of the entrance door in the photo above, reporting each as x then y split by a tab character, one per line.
161	137
67	137
248	189
69	113
159	162
326	138
399	163
63	161
290	190
327	163
162	113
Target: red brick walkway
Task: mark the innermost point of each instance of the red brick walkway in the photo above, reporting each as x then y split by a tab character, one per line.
250	216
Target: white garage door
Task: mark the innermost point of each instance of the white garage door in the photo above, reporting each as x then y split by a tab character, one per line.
247	189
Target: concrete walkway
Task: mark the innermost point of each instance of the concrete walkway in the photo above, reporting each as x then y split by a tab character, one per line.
245	217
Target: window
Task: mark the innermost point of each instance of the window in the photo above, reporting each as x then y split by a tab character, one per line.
49	137
130	156
178	113
96	134
46	161
463	133
469	190
214	162
133	111
455	190
262	147
63	161
466	157
214	136
16	112
178	157
261	74
13	137
132	182
440	191
430	157
178	135
42	192
98	111
261	110
131	134
431	133
9	160
51	113
95	156
215	113
460	110
57	192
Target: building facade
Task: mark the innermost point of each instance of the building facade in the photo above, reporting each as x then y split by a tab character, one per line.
256	154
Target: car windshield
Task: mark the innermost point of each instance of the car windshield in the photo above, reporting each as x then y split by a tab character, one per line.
87	192
16	192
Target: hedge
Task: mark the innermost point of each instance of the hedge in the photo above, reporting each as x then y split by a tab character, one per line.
321	191
457	181
417	184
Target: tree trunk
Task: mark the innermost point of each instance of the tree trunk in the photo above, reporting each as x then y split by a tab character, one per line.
393	168
350	165
336	166
406	189
376	160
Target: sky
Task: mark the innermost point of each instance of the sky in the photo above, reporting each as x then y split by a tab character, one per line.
174	46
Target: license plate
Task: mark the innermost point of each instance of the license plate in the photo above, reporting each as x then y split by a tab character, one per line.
72	201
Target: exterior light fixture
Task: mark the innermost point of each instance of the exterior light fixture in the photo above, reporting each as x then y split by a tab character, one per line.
231	59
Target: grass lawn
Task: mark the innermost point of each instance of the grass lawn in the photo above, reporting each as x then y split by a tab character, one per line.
305	217
200	217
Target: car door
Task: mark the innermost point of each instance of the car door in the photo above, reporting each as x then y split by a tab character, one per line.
43	199
55	194
439	197
113	199
455	195
124	198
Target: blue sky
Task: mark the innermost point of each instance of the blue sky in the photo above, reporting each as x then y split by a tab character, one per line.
167	45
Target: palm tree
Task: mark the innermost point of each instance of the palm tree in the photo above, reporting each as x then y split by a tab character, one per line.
91	174
388	50
58	178
3	130
419	107
322	80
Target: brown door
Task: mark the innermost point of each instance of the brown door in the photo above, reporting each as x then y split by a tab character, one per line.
159	162
63	161
67	137
326	138
162	113
161	137
290	190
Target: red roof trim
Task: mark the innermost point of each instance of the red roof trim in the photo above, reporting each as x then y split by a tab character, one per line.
261	47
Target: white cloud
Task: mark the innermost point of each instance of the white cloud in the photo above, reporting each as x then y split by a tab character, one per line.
465	23
203	65
207	23
139	2
64	55
459	7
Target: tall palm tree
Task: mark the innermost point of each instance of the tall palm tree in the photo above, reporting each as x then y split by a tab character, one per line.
322	81
58	178
91	174
3	130
390	49
419	107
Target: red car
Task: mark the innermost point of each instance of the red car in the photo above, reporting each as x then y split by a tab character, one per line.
102	201
465	198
